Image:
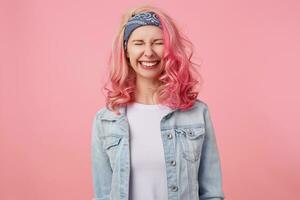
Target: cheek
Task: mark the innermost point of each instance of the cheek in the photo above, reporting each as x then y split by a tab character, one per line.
133	58
160	51
134	54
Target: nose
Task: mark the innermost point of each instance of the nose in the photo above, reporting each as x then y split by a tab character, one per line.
148	50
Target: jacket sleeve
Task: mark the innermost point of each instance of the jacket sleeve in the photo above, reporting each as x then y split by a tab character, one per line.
210	175
101	169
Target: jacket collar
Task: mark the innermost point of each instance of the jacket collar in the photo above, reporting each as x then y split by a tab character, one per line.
109	115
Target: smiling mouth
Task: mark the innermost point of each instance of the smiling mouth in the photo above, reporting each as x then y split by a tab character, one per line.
149	63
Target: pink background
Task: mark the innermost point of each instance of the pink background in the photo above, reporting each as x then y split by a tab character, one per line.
53	62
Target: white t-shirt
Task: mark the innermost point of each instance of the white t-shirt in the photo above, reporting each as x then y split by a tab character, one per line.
148	179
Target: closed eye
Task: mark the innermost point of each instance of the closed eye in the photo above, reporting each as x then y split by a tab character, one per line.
158	43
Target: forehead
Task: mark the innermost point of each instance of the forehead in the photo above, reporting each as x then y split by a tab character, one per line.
146	32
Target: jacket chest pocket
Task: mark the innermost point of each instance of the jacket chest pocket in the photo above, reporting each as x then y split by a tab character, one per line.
191	140
112	145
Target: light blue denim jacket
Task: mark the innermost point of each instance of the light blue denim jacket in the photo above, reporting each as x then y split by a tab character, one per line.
191	155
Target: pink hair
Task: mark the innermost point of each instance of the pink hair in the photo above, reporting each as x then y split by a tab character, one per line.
178	80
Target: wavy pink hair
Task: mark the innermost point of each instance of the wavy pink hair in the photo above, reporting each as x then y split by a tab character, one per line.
178	80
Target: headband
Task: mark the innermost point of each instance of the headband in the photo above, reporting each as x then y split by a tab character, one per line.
141	19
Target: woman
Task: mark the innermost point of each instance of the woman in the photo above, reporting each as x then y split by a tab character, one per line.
154	140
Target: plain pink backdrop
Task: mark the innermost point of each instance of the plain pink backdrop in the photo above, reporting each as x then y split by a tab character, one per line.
53	60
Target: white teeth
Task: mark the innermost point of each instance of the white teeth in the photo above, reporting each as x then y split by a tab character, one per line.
149	64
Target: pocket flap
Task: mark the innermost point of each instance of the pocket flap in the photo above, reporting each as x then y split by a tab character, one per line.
194	133
111	141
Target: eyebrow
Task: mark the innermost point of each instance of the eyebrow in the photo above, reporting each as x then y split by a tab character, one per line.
143	40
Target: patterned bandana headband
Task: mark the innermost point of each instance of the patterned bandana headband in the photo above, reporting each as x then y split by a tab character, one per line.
141	19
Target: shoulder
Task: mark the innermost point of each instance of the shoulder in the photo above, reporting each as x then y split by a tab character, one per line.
200	105
199	108
101	112
194	115
107	114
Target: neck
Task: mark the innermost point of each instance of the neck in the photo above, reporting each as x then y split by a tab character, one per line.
145	91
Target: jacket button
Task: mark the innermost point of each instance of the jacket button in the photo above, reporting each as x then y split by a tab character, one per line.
173	163
174	188
170	136
190	133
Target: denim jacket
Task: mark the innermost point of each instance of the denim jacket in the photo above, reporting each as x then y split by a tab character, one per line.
191	155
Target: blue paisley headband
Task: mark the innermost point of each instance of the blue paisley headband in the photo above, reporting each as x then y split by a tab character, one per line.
141	19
